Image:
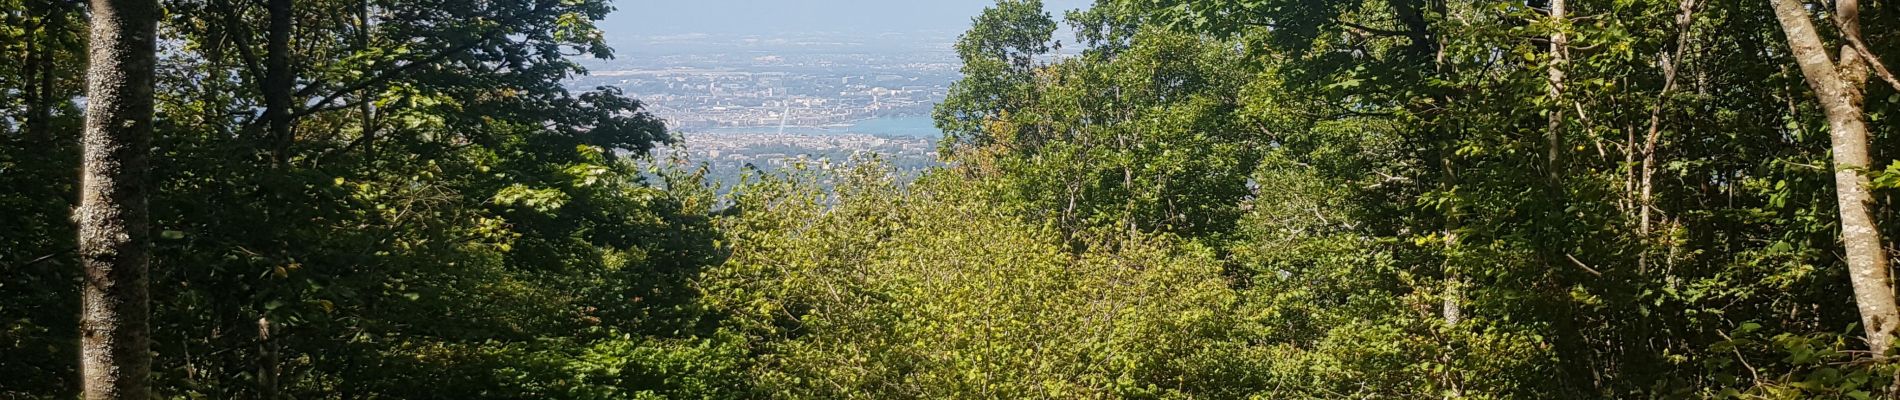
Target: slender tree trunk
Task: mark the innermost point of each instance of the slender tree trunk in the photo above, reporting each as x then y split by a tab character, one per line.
1559	59
1627	204
40	119
1839	87
267	367
1452	307
114	237
30	72
7	80
40	126
1425	46
1452	302
278	79
1669	59
278	84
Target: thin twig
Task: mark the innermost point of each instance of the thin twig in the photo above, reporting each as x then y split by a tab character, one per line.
1586	267
44	258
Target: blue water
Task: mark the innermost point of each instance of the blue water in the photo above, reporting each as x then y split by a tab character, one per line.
915	126
910	126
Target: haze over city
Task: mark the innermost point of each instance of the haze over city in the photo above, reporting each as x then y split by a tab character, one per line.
764	84
660	17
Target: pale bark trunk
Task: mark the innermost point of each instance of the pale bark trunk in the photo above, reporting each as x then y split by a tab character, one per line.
113	230
1668	63
1452	308
1559	58
1413	15
267	367
1630	199
1839	87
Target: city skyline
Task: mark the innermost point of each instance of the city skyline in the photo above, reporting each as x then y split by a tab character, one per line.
751	84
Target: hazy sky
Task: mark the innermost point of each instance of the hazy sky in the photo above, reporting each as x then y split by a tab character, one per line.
668	17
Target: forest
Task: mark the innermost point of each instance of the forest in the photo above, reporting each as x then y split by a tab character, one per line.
1188	199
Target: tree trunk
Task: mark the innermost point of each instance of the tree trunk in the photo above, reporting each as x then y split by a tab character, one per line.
1839	87
278	80
114	237
1668	62
30	72
8	78
267	367
40	115
1559	58
1452	306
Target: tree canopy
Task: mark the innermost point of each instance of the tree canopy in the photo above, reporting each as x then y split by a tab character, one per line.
1189	199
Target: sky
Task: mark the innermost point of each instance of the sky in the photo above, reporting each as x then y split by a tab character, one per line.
764	17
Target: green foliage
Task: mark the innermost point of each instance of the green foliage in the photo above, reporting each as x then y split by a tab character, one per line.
43	44
446	213
999	53
1209	199
1401	170
933	292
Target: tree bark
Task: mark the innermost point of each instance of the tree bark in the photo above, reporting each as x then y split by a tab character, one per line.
114	237
267	367
1840	89
1559	58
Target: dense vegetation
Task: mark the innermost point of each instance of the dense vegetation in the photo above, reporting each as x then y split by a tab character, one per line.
1192	199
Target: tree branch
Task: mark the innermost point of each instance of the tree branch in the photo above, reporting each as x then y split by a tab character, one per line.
500	28
242	38
1880	69
1586	267
1372	30
44	258
370	134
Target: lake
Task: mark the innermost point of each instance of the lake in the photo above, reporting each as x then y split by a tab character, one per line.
906	126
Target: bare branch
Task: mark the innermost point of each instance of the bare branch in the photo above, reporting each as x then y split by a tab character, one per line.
243	39
1880	69
1586	267
44	258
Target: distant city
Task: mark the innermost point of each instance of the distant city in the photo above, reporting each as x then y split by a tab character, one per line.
741	101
